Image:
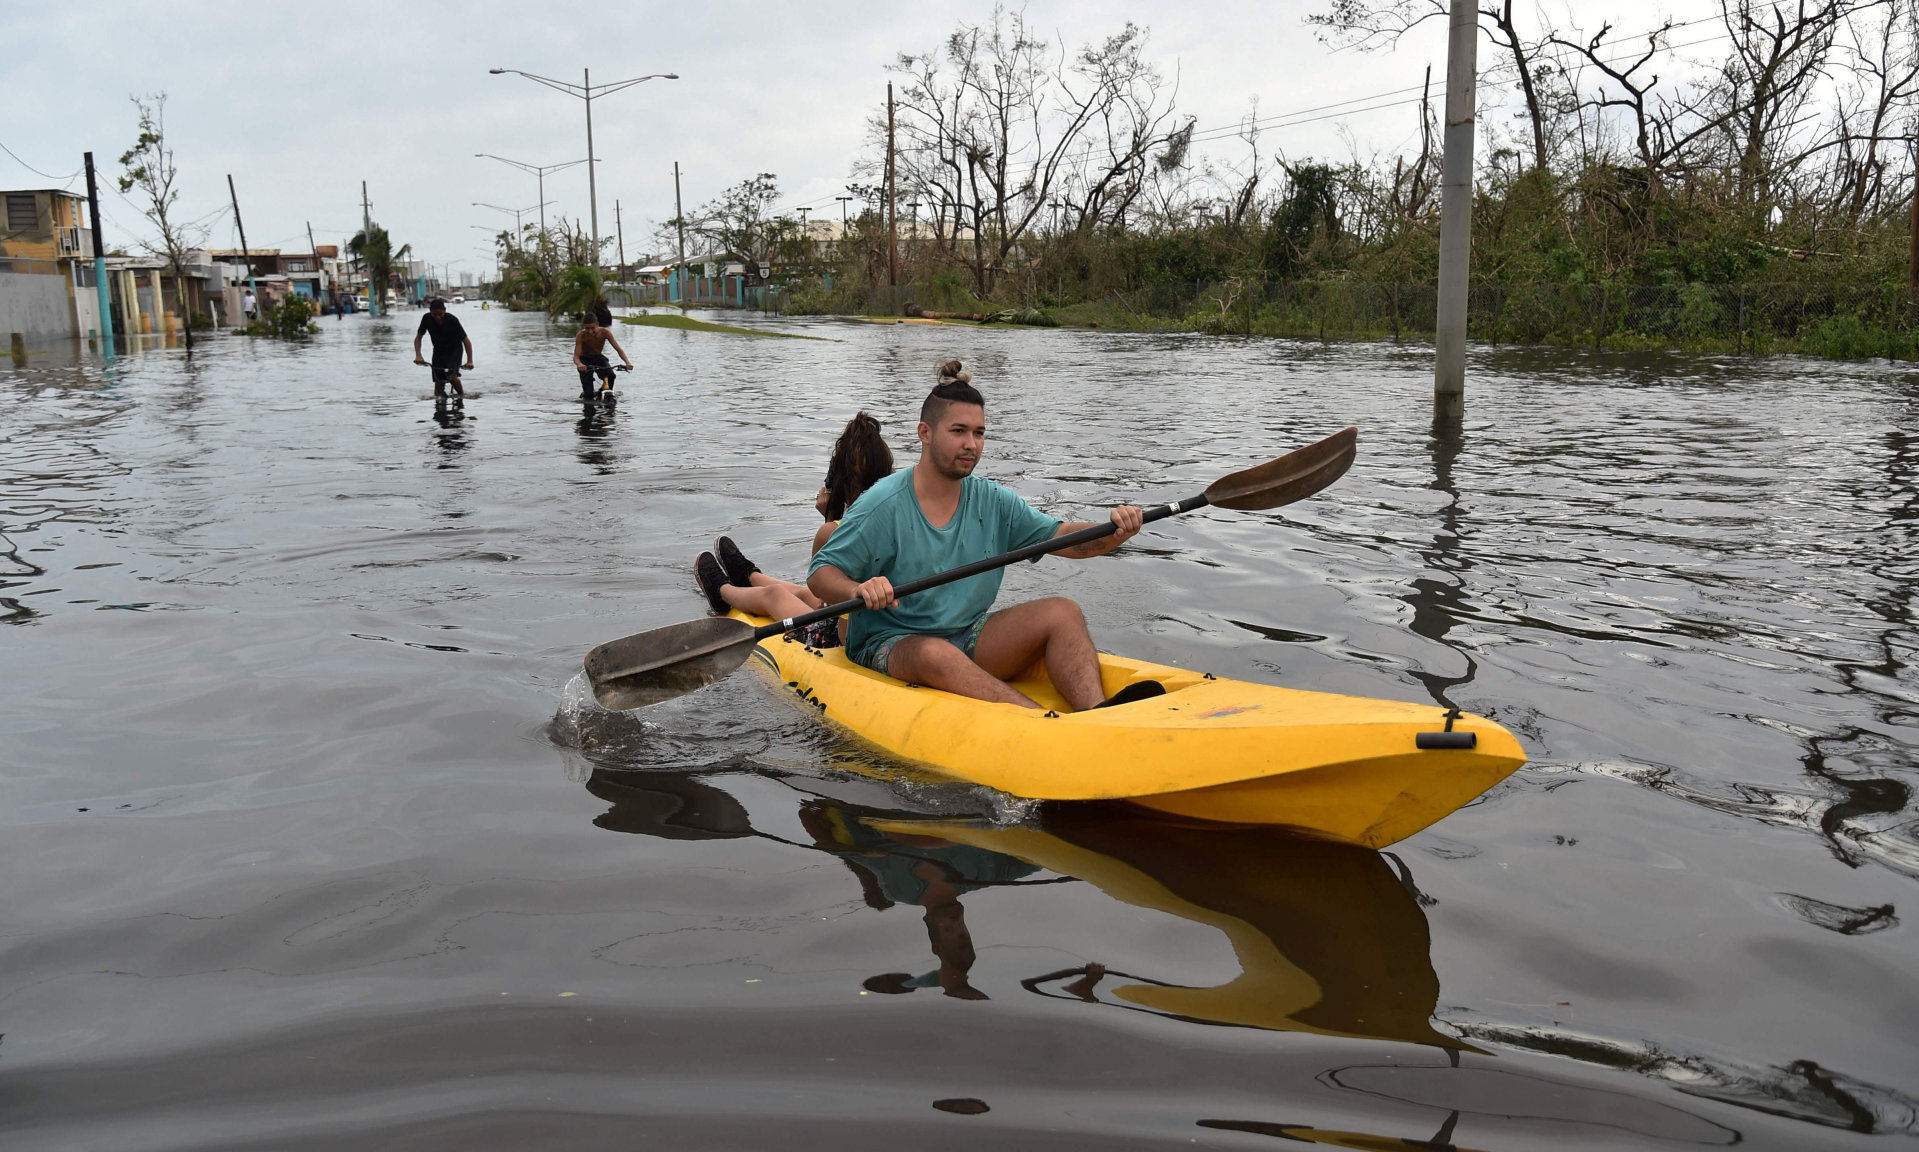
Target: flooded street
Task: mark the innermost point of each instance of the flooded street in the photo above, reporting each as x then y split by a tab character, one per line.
310	842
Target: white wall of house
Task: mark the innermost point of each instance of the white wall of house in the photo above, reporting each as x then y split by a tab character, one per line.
86	311
40	308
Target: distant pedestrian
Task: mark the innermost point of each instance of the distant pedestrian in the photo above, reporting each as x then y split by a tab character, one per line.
339	306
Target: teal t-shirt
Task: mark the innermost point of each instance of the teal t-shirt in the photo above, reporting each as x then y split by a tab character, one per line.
886	534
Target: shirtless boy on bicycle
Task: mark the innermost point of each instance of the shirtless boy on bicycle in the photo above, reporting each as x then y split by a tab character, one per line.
589	355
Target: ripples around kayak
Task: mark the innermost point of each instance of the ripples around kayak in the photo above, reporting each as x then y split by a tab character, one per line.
313	840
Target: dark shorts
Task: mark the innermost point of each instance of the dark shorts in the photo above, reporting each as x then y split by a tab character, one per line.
966	640
446	373
595	365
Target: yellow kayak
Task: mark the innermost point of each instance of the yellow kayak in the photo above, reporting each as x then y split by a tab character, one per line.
1344	767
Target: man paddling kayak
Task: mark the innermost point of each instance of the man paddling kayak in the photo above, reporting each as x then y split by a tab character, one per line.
935	516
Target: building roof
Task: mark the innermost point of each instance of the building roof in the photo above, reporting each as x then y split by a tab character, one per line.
41	191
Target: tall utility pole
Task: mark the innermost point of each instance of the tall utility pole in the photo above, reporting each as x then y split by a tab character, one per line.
320	274
844	201
100	264
246	256
1455	215
619	230
892	199
366	238
592	186
806	242
679	218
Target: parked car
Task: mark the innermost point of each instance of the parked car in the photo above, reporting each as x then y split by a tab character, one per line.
457	299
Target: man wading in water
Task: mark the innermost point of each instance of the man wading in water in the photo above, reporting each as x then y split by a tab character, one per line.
936	516
448	340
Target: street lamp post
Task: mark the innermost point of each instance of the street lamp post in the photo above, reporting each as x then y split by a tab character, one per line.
539	172
513	212
586	90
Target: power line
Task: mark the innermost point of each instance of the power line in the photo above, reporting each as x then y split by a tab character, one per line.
64	180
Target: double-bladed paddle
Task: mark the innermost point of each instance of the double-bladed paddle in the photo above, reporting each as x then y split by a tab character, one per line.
648	667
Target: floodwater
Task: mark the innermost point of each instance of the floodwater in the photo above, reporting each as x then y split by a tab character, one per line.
309	841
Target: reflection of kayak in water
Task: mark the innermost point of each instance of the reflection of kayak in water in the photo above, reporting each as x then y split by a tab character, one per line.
1329	939
1348	767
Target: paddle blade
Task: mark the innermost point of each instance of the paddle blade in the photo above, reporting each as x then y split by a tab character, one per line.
648	667
1294	476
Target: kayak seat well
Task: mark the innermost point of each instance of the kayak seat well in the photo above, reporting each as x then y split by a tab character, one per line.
1115	673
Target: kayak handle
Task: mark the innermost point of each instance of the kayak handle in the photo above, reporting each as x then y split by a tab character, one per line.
1039	548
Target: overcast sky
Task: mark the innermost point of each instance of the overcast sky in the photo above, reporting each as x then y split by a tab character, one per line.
300	104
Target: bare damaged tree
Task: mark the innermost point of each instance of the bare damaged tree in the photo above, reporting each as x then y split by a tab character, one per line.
1413	183
1374	24
148	167
1883	60
1121	93
995	128
1665	128
1778	53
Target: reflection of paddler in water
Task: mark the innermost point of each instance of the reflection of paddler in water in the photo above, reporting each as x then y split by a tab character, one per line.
1329	938
899	868
904	866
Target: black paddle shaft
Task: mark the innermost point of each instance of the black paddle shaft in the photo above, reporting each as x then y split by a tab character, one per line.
1041	548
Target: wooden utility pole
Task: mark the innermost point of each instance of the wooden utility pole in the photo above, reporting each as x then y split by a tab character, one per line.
246	257
619	230
366	240
319	301
104	292
679	218
892	202
1455	215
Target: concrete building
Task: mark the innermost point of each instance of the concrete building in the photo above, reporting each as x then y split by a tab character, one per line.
47	291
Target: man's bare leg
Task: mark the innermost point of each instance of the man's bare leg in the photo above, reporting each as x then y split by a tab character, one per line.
936	663
1011	640
1053	628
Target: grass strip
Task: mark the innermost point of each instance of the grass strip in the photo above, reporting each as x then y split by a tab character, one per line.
688	324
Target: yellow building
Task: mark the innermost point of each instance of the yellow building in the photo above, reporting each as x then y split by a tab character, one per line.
46	267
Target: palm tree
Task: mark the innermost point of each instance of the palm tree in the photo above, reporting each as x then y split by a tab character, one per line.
373	248
578	292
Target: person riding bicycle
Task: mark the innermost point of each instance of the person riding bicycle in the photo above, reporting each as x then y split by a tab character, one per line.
448	340
589	354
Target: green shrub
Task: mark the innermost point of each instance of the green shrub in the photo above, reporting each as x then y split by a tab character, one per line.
811	298
1843	336
292	319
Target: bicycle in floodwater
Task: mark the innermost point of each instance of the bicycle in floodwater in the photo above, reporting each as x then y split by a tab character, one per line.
604	394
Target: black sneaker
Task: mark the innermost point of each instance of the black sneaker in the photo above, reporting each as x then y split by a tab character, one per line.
739	569
708	572
1137	690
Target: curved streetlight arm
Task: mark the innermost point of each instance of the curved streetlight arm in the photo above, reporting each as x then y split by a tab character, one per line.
583	91
536	169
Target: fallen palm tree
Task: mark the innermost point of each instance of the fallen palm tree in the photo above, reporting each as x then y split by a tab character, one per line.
1032	316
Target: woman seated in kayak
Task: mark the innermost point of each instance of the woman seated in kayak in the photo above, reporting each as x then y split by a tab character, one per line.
860	460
